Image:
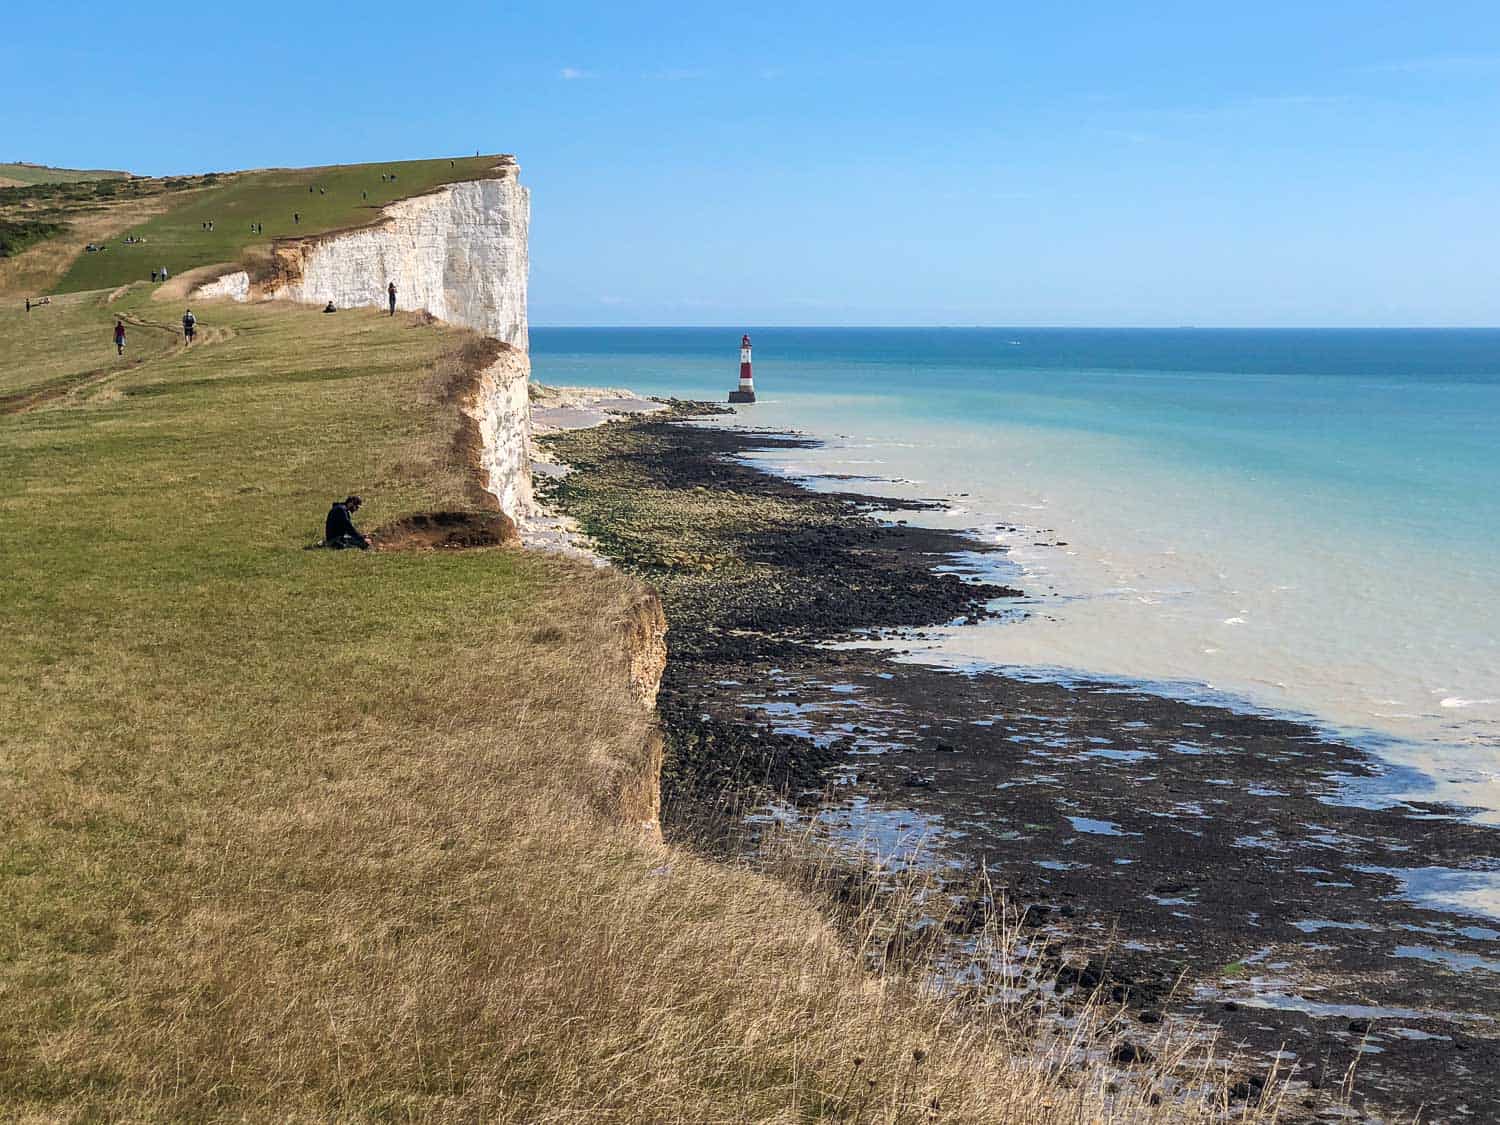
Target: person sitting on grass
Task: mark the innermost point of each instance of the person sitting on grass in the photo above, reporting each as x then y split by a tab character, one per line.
339	532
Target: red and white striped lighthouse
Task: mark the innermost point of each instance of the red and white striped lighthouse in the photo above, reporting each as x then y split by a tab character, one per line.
746	391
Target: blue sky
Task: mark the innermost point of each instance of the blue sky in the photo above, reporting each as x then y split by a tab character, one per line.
1276	163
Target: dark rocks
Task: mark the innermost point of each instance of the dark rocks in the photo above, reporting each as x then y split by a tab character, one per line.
1127	1053
1248	1089
756	572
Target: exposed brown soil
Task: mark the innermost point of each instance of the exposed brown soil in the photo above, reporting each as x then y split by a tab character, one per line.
180	287
431	531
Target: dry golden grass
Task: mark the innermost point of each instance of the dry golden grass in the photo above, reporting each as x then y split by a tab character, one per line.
311	836
36	269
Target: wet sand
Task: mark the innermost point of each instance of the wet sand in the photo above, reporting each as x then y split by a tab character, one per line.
1188	860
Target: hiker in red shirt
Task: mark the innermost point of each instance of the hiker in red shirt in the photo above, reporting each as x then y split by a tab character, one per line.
120	337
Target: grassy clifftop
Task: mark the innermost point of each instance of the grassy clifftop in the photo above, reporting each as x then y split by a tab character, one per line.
21	172
171	217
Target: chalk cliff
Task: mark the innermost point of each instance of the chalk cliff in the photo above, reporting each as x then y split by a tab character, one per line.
235	286
500	408
460	253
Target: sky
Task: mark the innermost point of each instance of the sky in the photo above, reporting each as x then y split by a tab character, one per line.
1286	162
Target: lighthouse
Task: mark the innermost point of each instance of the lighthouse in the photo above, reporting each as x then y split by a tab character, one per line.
746	391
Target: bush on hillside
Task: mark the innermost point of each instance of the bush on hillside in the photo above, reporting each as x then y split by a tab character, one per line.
16	235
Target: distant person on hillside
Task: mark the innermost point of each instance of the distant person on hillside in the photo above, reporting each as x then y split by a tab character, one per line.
390	291
339	532
189	326
164	273
296	217
119	337
28	304
153	277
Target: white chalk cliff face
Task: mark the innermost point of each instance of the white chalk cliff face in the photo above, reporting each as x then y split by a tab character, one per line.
234	286
459	252
501	407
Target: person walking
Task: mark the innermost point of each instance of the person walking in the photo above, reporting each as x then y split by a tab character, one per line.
391	293
164	273
119	337
189	326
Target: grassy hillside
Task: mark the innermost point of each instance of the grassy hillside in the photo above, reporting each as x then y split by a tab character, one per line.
351	195
298	835
24	173
45	227
70	340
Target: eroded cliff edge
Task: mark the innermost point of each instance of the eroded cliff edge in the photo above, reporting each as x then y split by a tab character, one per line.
459	253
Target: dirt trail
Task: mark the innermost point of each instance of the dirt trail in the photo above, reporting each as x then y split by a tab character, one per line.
25	401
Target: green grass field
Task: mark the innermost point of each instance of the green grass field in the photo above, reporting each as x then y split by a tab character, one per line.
72	336
40	174
270	198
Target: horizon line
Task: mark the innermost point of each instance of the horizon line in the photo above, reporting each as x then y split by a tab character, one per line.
741	326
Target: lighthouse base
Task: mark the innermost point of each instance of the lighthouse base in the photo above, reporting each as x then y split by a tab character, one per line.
741	396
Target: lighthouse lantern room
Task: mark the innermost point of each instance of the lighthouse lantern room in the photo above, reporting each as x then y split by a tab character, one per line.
746	390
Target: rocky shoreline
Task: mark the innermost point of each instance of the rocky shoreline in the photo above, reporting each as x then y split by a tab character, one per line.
1189	861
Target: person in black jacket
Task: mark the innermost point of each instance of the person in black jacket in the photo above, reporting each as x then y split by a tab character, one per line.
339	531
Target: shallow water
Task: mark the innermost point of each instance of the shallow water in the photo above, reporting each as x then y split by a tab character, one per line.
1303	521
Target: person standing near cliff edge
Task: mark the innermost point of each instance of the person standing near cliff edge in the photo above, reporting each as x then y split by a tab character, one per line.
119	337
391	292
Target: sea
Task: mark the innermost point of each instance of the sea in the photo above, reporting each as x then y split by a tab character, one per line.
1302	522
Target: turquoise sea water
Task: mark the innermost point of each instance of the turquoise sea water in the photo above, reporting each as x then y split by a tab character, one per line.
1306	521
